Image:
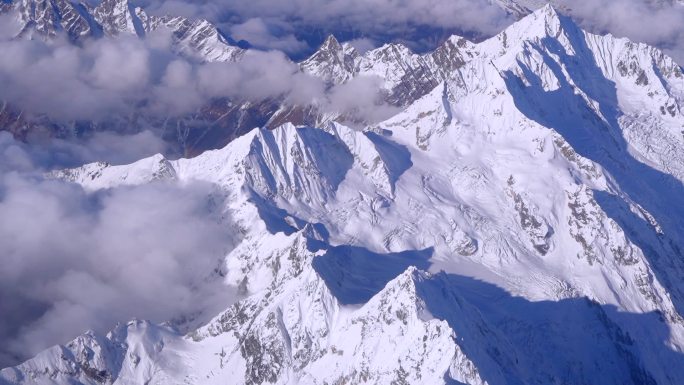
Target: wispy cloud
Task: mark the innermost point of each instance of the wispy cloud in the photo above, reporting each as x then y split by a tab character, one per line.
110	77
658	23
74	260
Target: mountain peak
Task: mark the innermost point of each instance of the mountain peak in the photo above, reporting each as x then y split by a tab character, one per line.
546	17
331	44
117	16
332	61
490	228
548	9
545	22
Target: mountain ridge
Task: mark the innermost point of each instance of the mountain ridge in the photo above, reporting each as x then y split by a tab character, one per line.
493	231
405	76
119	17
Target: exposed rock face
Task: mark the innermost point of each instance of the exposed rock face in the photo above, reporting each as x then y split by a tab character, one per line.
405	75
47	18
510	225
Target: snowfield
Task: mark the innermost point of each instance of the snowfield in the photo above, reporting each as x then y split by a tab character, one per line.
520	222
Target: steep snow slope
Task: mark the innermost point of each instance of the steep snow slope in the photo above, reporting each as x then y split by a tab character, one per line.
48	18
519	223
408	76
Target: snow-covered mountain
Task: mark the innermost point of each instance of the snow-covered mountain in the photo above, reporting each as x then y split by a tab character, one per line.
213	125
407	76
48	18
519	222
210	127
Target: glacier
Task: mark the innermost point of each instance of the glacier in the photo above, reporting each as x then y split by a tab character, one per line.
518	222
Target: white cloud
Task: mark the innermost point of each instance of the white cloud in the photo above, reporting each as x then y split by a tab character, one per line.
261	35
74	260
364	15
110	77
658	23
360	97
9	25
362	45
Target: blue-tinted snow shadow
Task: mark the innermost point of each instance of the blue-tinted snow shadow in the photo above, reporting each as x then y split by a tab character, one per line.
330	157
396	157
354	274
274	217
512	340
661	251
333	158
601	141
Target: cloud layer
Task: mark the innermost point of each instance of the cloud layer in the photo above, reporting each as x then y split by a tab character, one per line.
363	15
291	23
127	75
656	22
74	260
112	77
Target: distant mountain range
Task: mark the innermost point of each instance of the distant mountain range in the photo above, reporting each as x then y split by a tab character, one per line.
517	222
221	120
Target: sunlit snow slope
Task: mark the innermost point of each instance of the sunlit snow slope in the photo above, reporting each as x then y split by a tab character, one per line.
521	223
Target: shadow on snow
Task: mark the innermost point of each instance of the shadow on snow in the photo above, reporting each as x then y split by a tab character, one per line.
598	137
